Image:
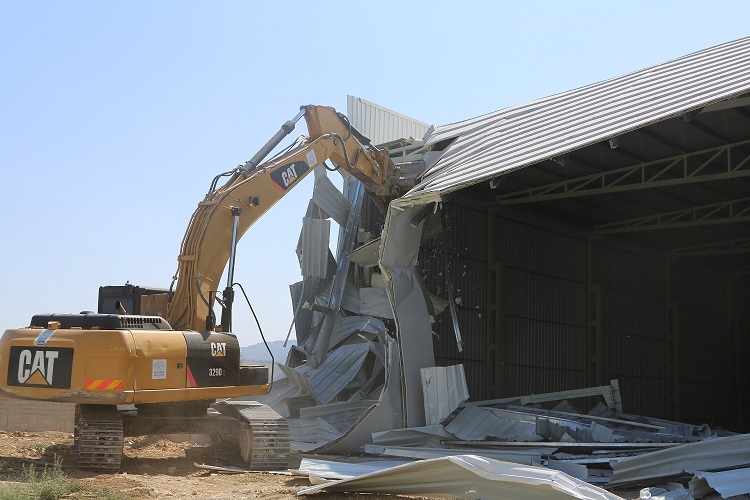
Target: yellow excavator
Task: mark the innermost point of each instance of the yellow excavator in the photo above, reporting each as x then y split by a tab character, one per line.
162	351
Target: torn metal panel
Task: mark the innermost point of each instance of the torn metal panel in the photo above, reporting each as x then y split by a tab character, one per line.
384	415
374	302
326	411
589	417
342	470
399	252
301	292
315	238
554	428
285	398
578	471
350	300
339	415
429	436
290	407
335	373
708	455
367	254
565	444
662	426
444	388
610	393
529	456
330	200
298	376
671	491
325	431
381	124
728	484
347	238
468	476
302	430
476	423
345	327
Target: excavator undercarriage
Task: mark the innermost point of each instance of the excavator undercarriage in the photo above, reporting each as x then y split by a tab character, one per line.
257	433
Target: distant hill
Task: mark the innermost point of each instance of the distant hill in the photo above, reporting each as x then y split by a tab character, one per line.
258	352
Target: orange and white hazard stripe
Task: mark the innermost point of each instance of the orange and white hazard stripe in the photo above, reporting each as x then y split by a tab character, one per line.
105	385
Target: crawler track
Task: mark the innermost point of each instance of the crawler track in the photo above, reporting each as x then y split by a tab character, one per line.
98	438
264	434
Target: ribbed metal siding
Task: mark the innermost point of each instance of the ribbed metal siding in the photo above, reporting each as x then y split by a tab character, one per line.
466	243
634	325
381	124
705	345
544	294
522	135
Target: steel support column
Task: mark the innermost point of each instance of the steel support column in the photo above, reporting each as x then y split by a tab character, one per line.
673	344
495	311
594	368
736	356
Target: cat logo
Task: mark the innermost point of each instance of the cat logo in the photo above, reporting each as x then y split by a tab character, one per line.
218	349
284	177
41	362
40	366
289	175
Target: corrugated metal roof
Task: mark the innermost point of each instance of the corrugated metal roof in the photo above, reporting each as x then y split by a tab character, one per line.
381	124
515	137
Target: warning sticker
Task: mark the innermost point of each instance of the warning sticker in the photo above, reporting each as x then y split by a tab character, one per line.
158	369
312	160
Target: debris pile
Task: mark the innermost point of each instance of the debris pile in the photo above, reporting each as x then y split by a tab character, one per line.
334	387
504	445
587	445
336	370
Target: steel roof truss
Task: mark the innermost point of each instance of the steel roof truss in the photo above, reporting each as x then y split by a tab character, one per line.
670	171
727	247
716	213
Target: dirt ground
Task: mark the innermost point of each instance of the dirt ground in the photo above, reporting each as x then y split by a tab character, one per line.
154	467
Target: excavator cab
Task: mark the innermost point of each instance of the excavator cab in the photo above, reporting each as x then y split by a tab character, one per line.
132	299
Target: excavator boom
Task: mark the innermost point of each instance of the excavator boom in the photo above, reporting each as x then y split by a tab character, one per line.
227	212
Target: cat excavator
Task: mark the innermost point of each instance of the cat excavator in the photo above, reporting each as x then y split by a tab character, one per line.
155	361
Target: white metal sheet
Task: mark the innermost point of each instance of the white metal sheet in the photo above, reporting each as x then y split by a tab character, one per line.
708	455
728	484
381	124
444	389
468	476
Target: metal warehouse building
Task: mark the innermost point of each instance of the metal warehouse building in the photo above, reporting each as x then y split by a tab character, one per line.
601	233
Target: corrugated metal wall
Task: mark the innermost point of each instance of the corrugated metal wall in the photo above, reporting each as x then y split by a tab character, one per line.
534	294
553	281
467	260
634	324
542	338
705	344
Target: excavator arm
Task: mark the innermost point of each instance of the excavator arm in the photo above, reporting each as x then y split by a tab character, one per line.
227	212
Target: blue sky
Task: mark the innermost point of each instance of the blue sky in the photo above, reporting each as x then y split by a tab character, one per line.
115	116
